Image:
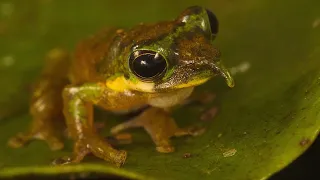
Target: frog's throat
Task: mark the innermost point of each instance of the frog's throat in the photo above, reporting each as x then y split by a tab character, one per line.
120	84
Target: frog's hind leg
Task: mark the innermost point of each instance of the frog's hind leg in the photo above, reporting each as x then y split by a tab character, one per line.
46	103
132	123
159	125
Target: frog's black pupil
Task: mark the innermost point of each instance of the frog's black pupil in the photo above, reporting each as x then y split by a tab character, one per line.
214	24
148	65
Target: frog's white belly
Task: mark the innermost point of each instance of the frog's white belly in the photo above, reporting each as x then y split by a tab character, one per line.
171	99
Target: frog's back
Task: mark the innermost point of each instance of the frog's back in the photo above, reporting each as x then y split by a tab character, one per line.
88	54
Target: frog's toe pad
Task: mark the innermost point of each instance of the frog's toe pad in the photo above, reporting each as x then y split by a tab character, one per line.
165	149
62	161
121	158
196	131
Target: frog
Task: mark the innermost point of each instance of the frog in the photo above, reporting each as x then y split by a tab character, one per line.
154	66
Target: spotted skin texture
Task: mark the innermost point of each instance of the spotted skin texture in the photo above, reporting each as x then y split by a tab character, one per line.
98	74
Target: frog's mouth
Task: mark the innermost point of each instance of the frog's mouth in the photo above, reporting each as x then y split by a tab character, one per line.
194	74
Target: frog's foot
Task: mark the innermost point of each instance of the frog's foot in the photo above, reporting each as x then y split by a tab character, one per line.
47	134
162	142
163	145
160	126
192	131
98	147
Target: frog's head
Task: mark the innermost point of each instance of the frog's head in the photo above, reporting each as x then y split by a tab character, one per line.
175	54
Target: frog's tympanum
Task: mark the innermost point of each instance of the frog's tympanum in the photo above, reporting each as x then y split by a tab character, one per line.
150	66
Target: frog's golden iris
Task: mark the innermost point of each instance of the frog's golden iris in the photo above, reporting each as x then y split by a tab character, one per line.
155	65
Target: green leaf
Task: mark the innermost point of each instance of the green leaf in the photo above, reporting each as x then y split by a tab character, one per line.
264	123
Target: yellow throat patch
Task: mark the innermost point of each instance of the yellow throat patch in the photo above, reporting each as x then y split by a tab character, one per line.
120	84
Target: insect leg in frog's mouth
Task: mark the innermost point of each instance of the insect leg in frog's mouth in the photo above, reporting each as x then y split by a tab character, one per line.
219	69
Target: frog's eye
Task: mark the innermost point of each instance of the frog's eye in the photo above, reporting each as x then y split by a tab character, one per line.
147	65
214	24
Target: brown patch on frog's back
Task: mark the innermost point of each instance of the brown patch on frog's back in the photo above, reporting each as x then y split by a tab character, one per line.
143	33
89	52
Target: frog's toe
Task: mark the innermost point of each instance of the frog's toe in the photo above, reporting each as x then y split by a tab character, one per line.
80	150
165	149
99	148
163	144
62	161
106	152
193	131
120	158
19	140
23	139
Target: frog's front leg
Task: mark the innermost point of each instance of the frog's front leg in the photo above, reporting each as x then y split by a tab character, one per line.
159	125
78	111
